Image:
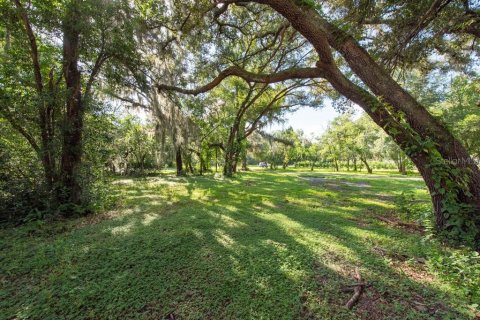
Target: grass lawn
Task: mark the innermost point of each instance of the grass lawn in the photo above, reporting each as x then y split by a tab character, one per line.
264	245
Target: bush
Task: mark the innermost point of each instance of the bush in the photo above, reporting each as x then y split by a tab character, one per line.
461	267
22	194
458	266
410	208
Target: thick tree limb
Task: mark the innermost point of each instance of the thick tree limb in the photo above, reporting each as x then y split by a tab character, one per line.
217	145
21	130
99	61
33	45
293	73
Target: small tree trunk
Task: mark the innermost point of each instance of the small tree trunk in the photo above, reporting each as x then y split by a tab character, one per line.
190	167
364	160
401	161
244	163
230	150
179	161
228	168
202	165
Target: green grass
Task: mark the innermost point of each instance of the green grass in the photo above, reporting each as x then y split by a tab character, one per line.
264	245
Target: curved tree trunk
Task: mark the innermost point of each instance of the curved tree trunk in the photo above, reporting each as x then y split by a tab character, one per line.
452	177
364	160
439	157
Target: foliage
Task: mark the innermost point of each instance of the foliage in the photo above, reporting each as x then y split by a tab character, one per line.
461	268
21	192
457	266
459	109
410	208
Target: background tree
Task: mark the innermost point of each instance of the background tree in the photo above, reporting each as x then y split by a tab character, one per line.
63	47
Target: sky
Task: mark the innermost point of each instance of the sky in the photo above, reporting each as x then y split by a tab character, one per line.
313	121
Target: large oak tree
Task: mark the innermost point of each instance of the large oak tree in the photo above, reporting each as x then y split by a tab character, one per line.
450	173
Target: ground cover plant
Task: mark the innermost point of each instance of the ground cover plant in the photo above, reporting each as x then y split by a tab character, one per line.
239	159
264	245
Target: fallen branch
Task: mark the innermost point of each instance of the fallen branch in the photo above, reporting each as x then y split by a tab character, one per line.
400	223
357	290
365	284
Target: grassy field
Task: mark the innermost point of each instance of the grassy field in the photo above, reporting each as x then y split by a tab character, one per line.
264	245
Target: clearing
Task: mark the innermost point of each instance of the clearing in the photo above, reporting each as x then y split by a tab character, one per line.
265	245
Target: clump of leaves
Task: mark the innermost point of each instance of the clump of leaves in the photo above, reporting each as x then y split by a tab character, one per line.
410	208
306	3
461	268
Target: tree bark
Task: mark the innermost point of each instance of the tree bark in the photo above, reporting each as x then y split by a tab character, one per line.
229	163
401	164
71	189
179	161
244	162
45	108
230	149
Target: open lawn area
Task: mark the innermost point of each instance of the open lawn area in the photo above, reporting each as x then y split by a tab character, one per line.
263	245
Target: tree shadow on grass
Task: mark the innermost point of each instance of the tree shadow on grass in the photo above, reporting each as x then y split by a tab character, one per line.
249	248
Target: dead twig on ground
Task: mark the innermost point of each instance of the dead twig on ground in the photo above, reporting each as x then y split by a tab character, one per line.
358	288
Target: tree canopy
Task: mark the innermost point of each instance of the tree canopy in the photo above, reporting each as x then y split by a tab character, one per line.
213	74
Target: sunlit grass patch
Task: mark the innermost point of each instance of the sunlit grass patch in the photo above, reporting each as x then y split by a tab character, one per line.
264	245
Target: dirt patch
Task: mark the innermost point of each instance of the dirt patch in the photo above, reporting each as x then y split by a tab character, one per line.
333	183
374	176
416	271
372	305
407	226
361	223
380	196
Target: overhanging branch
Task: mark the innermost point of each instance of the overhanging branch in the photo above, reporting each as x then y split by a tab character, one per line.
288	74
